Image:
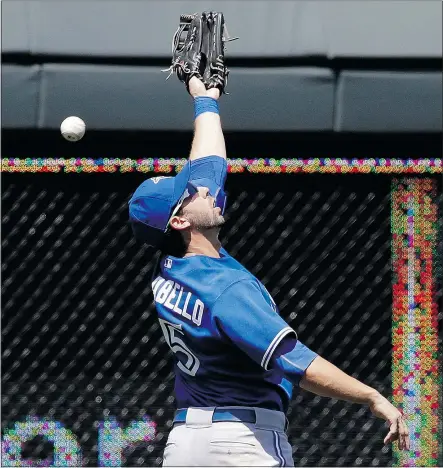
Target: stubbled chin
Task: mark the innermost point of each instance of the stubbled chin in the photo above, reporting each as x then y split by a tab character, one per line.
215	225
220	220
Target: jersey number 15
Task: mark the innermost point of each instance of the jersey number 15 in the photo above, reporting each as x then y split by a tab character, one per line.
173	334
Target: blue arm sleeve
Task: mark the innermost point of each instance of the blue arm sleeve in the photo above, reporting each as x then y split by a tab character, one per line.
293	358
244	314
209	171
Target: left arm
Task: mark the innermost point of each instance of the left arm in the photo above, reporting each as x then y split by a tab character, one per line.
208	134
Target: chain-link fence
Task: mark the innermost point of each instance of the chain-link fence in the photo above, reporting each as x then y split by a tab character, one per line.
81	342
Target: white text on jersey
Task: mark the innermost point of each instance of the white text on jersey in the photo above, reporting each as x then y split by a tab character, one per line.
172	296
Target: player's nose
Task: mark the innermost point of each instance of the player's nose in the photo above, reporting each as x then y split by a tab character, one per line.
203	191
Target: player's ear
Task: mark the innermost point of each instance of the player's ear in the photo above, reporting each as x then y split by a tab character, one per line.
179	223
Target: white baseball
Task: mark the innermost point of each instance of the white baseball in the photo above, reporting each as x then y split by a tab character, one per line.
73	128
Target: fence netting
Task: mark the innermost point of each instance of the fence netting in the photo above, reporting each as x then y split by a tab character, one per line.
80	338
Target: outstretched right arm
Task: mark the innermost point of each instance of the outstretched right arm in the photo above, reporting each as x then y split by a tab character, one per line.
323	378
242	313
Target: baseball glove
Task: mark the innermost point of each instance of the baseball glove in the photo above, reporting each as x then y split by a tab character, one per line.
186	49
215	35
198	48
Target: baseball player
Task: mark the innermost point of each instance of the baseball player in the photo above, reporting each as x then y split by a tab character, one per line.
236	360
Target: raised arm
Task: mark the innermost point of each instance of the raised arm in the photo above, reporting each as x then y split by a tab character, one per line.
208	135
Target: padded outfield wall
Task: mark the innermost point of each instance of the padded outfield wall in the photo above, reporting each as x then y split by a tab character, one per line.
299	66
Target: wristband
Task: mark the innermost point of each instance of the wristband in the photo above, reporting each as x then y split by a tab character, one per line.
205	104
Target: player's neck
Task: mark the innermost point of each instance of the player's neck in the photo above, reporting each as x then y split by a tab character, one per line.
204	243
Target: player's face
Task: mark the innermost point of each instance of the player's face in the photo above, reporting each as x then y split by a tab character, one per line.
199	210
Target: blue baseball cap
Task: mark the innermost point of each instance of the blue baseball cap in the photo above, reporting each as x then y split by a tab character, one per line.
153	203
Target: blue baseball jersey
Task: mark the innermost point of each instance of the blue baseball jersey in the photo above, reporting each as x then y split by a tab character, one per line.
222	325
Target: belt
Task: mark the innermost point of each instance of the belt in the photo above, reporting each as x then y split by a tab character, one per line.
219	415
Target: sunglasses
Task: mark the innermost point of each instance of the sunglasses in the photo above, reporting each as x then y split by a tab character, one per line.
191	190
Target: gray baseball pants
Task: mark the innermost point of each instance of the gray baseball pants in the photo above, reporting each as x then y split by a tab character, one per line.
201	442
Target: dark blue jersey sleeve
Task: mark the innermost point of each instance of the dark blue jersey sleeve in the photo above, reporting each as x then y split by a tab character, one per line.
242	314
209	171
293	358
